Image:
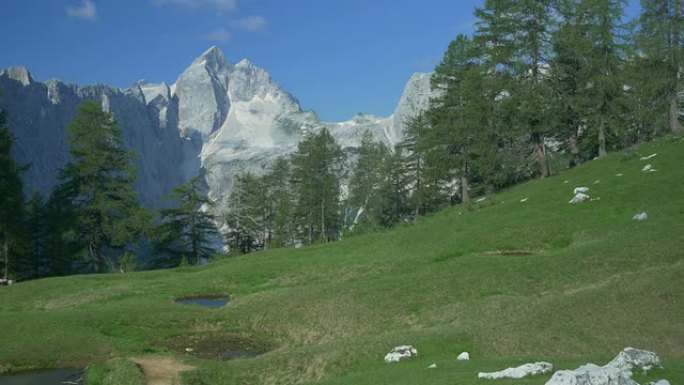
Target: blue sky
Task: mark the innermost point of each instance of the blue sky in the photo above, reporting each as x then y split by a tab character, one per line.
338	57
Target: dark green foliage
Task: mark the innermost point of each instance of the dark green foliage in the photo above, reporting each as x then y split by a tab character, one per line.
660	59
97	187
365	182
187	230
249	217
36	262
316	169
12	241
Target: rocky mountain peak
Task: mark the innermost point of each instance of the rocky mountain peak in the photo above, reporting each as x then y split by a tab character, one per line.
20	74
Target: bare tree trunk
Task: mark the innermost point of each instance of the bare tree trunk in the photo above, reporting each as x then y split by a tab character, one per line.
5	257
540	155
323	221
675	126
465	198
602	139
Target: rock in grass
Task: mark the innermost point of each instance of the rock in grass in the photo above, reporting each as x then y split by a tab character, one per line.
582	190
579	198
640	217
400	353
616	372
648	157
433	366
630	359
648	168
465	356
519	372
591	374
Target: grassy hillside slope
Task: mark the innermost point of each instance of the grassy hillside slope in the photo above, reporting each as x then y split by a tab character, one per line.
509	281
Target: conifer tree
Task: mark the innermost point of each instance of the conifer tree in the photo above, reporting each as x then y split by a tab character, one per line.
365	181
11	206
187	230
533	24
660	41
97	184
36	262
317	167
394	191
248	216
281	201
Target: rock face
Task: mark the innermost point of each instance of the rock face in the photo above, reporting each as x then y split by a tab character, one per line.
218	119
518	372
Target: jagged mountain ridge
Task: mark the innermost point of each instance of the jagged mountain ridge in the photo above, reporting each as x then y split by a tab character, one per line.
217	119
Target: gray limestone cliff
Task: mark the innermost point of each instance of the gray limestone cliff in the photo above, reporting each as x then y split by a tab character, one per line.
218	119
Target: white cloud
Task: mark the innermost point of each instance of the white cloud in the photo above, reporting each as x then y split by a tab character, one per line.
86	11
220	35
222	5
251	23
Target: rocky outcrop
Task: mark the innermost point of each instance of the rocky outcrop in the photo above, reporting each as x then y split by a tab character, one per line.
616	372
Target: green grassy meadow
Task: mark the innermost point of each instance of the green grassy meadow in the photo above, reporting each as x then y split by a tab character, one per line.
508	281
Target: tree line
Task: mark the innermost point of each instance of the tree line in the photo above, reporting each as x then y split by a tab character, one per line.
541	85
93	221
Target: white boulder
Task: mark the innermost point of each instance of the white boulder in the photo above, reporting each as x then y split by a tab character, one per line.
616	372
648	157
519	372
465	356
640	217
630	359
400	353
583	190
648	168
591	374
433	366
579	198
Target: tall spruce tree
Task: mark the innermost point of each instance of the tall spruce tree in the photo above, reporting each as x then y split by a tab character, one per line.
660	41
533	24
97	184
280	200
187	230
11	206
248	219
317	167
36	262
365	182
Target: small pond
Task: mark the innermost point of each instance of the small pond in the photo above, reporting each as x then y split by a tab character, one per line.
42	377
210	301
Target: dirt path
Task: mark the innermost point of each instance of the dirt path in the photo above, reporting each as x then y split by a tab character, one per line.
162	370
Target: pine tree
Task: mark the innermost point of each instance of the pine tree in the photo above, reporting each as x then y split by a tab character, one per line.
533	24
394	191
281	201
248	218
365	182
12	240
317	167
36	262
660	40
98	186
187	230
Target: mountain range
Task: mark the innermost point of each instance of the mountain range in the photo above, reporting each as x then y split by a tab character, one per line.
216	120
